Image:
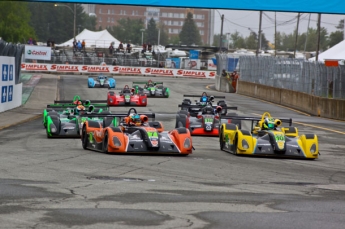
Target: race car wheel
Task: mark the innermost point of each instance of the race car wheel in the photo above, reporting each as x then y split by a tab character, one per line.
221	141
235	144
105	143
84	137
183	112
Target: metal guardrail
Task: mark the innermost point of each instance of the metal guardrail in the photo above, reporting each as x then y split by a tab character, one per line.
294	74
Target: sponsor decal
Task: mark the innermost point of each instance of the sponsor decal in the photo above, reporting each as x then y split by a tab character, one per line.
35	53
191	73
36	67
127	70
64	68
212	74
165	72
95	68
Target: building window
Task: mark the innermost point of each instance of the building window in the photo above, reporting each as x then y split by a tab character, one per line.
108	19
200	24
133	13
170	14
100	11
124	12
176	15
199	16
201	32
181	23
175	23
164	14
108	11
99	19
112	20
112	11
181	15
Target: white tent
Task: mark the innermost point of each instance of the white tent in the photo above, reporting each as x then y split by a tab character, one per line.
337	52
98	39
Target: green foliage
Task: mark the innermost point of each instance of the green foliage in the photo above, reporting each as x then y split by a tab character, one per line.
128	30
164	38
335	38
175	40
152	32
190	33
14	22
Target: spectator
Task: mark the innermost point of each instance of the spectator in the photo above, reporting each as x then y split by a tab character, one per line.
111	48
83	45
34	42
79	46
52	43
129	48
149	47
234	77
144	48
30	42
48	43
161	65
74	45
225	74
114	62
120	48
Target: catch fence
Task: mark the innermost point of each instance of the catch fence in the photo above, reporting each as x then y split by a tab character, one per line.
294	74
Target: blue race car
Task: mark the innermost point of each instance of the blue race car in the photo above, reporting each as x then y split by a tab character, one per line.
101	81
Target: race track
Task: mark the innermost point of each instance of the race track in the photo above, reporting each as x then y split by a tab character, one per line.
54	183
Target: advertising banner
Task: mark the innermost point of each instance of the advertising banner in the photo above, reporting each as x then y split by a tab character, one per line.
193	64
35	52
9	91
194	54
119	70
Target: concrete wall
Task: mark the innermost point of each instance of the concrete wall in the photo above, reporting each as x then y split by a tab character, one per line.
222	84
323	107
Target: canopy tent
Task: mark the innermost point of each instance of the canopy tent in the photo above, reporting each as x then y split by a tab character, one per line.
98	39
337	52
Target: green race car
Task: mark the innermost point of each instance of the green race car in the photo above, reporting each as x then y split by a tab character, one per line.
151	89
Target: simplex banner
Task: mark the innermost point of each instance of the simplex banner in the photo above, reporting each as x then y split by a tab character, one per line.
119	70
11	94
35	52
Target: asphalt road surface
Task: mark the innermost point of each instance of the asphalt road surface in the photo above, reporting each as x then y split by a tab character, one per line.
54	183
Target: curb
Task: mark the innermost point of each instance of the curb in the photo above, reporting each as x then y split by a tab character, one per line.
21	122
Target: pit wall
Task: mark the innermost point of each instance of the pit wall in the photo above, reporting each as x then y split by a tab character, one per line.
318	106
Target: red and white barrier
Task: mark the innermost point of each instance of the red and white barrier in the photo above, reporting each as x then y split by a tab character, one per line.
67	68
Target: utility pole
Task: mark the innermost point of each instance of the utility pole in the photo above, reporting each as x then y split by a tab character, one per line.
318	37
306	37
344	29
221	33
259	43
275	33
294	52
75	19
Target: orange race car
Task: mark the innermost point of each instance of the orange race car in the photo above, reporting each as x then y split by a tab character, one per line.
134	133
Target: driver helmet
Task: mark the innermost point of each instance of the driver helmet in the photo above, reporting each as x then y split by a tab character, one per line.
134	119
77	102
203	100
80	109
269	124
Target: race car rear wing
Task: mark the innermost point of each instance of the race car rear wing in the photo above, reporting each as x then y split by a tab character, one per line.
149	115
199	106
74	105
253	119
215	96
71	101
146	83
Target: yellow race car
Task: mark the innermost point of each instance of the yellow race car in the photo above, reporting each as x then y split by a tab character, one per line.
267	138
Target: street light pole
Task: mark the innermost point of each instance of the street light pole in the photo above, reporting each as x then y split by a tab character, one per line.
74	15
142	36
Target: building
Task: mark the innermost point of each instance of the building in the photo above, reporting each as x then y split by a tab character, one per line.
173	18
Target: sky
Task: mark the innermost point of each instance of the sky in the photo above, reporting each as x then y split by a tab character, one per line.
236	20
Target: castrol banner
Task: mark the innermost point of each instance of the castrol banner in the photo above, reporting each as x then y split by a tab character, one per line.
117	70
34	52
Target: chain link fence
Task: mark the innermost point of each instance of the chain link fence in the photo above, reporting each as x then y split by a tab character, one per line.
293	74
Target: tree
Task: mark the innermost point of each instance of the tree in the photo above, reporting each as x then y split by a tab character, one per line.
335	38
163	37
14	22
128	30
252	41
152	32
190	33
237	41
174	40
216	39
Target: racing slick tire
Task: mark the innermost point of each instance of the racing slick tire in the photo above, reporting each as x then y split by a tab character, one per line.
156	125
187	102
105	143
221	141
165	93
181	120
84	137
222	104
